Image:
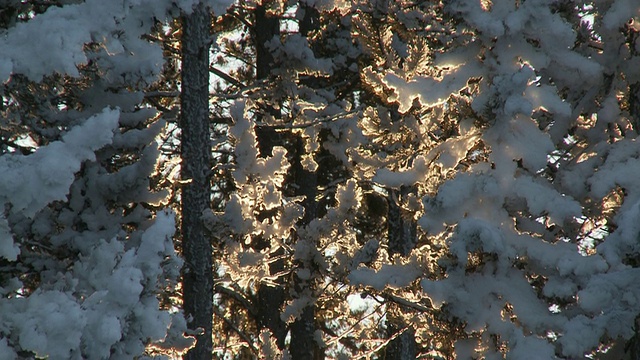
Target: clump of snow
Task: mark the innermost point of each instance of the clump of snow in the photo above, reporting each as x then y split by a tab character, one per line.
541	199
475	234
269	348
61	33
6	352
394	276
294	308
579	334
429	91
176	341
31	182
366	253
8	249
619	13
296	54
404	177
45	315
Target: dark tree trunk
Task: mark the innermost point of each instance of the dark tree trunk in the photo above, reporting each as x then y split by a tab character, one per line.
266	27
310	19
632	347
400	225
403	347
195	152
634	105
402	239
270	298
303	343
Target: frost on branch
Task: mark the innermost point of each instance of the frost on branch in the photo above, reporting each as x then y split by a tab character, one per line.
428	91
257	218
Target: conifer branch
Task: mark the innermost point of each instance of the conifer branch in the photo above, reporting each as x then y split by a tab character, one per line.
237	297
226	77
240	333
307	124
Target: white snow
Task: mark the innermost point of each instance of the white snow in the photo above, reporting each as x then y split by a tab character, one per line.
393	276
8	249
31	182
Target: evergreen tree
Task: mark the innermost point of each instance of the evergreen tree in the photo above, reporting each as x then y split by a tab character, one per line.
529	238
382	179
86	244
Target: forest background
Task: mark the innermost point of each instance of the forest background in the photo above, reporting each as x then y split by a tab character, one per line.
319	179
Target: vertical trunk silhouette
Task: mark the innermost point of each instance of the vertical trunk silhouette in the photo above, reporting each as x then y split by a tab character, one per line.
303	343
270	298
195	152
402	239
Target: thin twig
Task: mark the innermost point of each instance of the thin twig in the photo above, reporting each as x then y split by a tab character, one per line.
238	331
383	344
226	76
238	297
158	93
405	302
159	106
307	124
242	19
352	327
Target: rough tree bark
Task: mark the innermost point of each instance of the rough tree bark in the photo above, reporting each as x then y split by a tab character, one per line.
195	152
